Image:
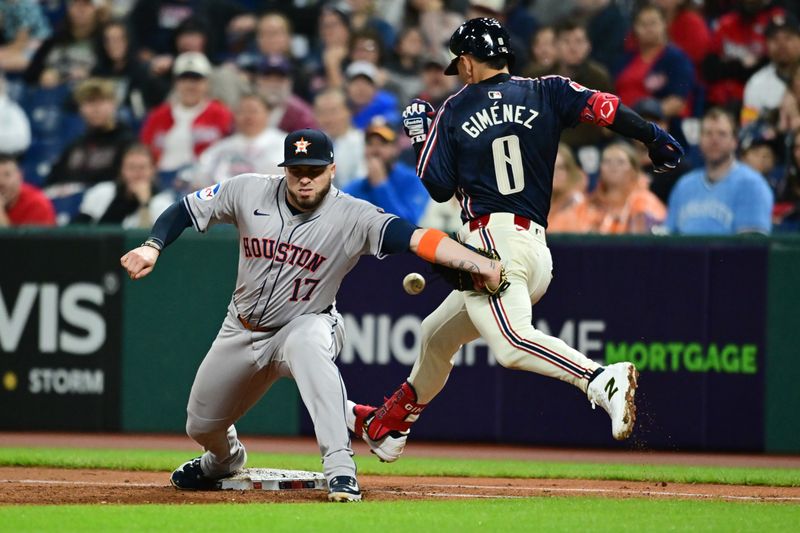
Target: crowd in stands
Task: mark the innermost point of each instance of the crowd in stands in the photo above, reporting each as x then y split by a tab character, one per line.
112	109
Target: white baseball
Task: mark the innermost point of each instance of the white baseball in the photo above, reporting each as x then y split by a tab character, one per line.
413	283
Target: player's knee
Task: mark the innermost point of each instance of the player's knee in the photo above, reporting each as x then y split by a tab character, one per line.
200	429
506	353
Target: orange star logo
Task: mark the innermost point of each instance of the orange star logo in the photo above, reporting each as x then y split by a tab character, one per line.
302	146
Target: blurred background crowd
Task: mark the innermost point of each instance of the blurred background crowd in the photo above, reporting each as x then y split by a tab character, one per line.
111	109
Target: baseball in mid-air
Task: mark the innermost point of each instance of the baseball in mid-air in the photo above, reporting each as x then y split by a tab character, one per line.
413	283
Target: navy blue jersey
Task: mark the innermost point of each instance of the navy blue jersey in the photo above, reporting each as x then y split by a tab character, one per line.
493	144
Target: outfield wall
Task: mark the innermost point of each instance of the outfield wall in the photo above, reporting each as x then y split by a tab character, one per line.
711	324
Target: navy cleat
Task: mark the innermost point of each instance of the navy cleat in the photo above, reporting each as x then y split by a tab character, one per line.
344	489
189	476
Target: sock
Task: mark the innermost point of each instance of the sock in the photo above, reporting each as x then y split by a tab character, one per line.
595	374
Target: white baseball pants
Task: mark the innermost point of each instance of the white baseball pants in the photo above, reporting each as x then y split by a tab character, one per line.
504	321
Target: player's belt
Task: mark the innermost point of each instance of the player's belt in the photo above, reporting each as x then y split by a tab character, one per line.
249	326
482	222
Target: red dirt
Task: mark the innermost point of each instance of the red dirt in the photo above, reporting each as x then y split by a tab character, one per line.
61	486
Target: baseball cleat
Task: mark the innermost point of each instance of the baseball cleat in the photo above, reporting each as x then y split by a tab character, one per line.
190	476
344	489
389	448
614	390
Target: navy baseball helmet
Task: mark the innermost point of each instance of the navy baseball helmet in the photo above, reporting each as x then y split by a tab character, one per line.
482	38
307	147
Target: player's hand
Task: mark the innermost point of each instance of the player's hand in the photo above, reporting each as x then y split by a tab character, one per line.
492	280
140	261
417	118
664	151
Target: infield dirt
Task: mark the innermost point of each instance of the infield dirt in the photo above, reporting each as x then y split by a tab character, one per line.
26	485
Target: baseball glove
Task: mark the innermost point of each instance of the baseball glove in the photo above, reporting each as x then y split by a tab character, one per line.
467	281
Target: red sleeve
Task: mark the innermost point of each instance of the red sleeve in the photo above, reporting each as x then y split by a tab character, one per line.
690	33
43	213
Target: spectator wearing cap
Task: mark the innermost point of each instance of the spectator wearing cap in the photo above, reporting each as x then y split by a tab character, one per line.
23	27
275	36
272	79
96	155
759	148
389	184
656	69
20	202
573	61
724	197
255	147
226	82
764	91
69	55
333	115
181	129
15	133
367	101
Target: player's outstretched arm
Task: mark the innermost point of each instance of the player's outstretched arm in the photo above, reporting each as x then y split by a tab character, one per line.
140	261
436	247
605	109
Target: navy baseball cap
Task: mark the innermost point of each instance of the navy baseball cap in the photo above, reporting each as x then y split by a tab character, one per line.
307	147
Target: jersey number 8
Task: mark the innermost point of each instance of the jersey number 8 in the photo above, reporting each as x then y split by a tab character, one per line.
507	156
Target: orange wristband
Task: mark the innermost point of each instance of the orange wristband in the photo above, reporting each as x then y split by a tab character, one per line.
428	244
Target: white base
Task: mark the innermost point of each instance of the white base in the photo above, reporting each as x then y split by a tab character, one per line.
273	479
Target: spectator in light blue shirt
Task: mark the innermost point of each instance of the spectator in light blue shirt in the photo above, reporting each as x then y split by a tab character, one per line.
389	184
725	196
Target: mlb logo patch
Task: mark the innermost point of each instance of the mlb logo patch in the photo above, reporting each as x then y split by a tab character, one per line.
208	193
495	95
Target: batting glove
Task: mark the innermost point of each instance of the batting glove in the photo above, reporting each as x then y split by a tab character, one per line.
417	118
664	151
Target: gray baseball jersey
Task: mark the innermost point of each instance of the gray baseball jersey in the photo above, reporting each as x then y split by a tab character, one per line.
290	268
289	265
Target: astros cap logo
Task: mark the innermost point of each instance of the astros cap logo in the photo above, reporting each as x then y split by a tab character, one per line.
302	146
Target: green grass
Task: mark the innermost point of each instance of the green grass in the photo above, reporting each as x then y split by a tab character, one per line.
166	461
530	514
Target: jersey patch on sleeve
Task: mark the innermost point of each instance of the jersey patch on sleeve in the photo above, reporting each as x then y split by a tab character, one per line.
208	193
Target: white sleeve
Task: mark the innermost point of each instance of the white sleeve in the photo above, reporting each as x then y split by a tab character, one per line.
96	200
15	133
369	224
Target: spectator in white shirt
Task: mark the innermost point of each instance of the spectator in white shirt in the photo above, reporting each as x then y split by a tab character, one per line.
15	134
132	201
255	147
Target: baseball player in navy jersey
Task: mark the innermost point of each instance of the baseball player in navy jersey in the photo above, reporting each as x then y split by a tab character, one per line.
299	237
493	145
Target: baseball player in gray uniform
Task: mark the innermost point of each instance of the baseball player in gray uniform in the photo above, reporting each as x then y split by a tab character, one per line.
298	238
